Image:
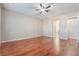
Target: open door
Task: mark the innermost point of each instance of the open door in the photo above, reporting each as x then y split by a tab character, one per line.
72	30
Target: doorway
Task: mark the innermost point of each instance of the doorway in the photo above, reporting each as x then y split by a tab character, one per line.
71	26
56	36
57	29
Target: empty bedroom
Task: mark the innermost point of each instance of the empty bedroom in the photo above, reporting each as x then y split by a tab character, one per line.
39	29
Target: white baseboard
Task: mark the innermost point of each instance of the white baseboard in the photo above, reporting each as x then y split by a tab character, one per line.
26	38
20	39
47	35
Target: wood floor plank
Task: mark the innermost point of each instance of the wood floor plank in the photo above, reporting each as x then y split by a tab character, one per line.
40	46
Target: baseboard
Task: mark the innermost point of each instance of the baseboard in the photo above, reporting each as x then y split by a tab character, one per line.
27	38
20	39
47	36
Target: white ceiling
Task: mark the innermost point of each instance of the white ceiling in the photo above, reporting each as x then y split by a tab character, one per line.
29	9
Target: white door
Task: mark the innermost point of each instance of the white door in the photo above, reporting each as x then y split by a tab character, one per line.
63	34
72	25
71	29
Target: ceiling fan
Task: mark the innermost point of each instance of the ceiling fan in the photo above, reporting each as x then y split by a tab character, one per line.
43	7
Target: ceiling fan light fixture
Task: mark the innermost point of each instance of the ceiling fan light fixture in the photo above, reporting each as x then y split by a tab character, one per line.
43	10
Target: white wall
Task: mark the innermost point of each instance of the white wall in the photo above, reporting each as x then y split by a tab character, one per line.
47	27
77	28
63	32
0	24
69	29
18	26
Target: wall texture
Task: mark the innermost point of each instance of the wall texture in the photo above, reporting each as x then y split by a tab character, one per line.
17	26
69	26
0	24
47	27
65	29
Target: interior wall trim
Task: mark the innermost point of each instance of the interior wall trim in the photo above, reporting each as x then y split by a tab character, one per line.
20	39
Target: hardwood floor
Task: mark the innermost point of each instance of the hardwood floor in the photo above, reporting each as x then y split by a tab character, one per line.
40	46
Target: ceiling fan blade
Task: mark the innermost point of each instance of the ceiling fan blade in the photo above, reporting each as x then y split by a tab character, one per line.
37	9
40	12
46	10
48	7
41	5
